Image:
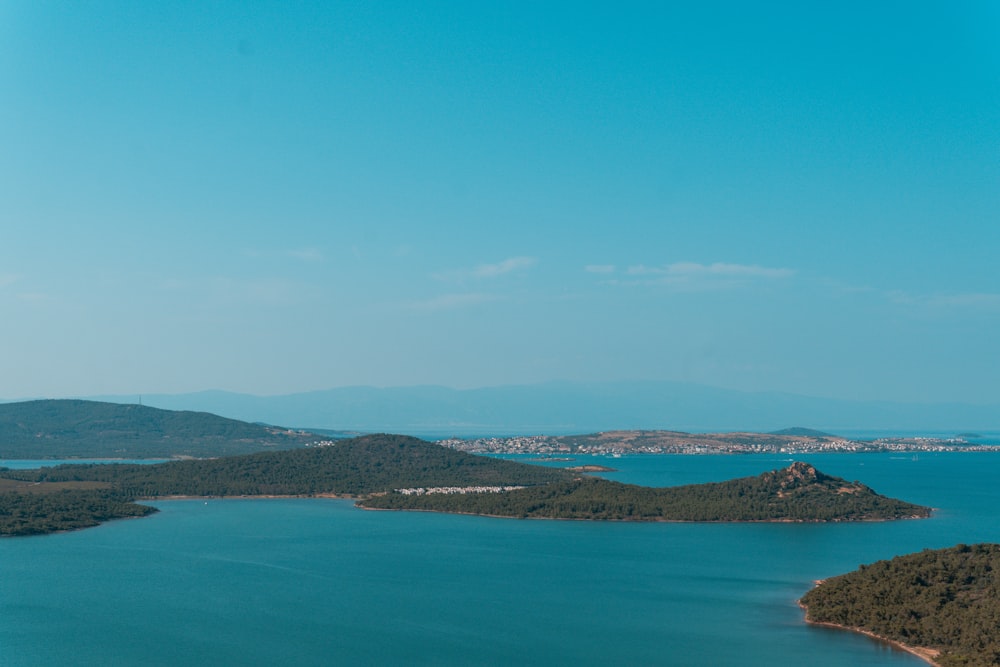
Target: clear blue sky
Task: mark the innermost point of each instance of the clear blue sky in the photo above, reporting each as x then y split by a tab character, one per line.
278	197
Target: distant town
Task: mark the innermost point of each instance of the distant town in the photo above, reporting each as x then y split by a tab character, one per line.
617	443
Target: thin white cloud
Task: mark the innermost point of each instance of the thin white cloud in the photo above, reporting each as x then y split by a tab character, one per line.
692	276
506	266
899	296
262	291
9	279
842	288
967	300
718	269
173	284
642	270
306	254
223	289
487	271
600	268
933	303
34	297
451	302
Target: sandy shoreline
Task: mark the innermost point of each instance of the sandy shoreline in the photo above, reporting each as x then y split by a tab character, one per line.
928	655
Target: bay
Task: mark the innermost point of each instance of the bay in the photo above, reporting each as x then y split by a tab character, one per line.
318	582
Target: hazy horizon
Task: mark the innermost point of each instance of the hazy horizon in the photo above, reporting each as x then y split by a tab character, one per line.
560	408
473	388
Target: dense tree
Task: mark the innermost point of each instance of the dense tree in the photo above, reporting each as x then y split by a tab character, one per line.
37	513
368	464
947	600
377	468
73	428
798	493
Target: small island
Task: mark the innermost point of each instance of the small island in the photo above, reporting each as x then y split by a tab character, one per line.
387	472
942	605
589	467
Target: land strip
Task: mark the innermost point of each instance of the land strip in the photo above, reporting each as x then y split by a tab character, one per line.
678	442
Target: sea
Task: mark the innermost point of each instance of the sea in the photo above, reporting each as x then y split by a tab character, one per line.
318	582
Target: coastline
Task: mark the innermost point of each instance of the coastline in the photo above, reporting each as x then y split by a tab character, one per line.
341	496
928	655
559	518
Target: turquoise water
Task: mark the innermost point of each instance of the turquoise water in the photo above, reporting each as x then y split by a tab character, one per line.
317	582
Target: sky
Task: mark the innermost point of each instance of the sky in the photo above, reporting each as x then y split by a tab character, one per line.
274	197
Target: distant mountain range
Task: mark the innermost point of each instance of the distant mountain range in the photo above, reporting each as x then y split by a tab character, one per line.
566	407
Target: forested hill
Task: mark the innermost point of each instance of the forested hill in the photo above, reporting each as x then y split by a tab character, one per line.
946	600
400	472
364	465
91	429
797	493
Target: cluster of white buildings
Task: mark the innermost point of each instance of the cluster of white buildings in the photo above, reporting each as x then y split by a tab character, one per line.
735	443
519	444
449	490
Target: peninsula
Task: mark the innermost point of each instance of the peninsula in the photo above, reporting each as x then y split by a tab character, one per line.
383	472
942	605
798	493
786	441
61	429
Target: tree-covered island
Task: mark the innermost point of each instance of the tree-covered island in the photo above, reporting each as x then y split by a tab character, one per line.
943	605
382	472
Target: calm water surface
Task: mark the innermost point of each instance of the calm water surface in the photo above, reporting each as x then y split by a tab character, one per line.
317	582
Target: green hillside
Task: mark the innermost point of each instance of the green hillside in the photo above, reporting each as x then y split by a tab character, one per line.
90	429
797	493
364	465
66	497
33	512
947	600
396	472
